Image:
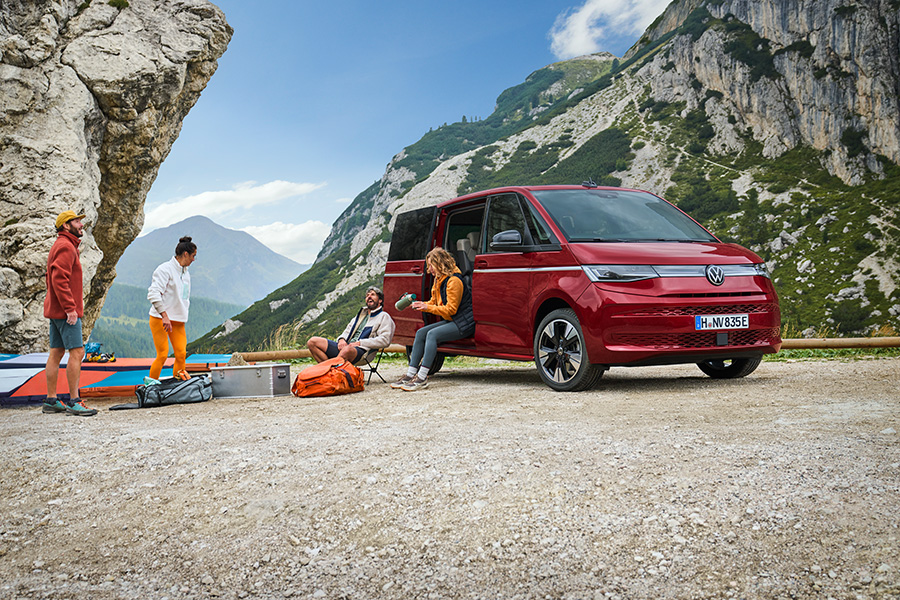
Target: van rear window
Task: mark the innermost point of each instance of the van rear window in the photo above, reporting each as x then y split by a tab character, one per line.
412	232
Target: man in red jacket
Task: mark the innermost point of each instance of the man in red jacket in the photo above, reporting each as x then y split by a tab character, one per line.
64	306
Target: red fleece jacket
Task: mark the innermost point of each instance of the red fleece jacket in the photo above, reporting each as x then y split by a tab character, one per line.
64	286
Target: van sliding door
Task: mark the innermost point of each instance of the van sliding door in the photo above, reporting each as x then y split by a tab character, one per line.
405	269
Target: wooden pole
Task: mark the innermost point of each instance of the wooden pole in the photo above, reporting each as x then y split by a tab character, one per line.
298	353
828	343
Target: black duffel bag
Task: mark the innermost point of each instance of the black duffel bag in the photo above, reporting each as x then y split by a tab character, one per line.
171	391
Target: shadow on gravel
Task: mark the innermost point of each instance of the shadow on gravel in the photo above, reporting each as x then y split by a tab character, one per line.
678	378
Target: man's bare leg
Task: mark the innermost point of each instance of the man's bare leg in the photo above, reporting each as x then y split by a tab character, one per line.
317	347
52	370
73	371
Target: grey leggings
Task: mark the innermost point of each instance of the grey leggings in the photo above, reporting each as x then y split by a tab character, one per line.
427	339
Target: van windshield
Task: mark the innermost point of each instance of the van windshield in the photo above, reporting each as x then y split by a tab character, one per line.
594	215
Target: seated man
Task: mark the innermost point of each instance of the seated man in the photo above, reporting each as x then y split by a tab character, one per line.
371	330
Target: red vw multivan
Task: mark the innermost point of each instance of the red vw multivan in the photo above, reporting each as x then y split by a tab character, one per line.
582	278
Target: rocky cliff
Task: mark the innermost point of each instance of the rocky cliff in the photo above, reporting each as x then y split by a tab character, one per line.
797	73
92	98
773	122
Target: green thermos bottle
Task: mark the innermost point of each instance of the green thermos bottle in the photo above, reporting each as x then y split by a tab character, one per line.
404	301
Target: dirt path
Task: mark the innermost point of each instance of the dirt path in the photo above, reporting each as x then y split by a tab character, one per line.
661	483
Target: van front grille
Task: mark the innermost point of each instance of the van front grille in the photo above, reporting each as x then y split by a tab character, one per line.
698	339
682	311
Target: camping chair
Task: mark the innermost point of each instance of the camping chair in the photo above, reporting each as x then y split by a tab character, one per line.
369	363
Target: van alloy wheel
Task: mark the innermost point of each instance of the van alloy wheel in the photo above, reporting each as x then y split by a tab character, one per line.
560	353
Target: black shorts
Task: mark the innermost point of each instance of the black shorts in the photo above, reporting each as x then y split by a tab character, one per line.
332	351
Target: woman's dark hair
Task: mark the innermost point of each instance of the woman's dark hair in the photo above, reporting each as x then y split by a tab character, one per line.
185	245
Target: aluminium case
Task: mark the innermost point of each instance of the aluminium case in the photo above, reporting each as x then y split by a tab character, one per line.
251	381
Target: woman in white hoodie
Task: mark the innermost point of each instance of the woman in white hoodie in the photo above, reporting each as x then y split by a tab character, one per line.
170	297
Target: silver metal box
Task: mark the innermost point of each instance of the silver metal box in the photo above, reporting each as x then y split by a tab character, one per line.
251	381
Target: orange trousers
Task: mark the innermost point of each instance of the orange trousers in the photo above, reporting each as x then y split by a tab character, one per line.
161	339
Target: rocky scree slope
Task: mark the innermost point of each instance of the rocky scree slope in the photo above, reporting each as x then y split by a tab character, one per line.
93	98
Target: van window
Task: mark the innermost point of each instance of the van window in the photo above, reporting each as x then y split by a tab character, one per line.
540	232
462	236
412	233
464	224
505	214
618	216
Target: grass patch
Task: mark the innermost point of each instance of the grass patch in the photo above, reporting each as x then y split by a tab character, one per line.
748	47
833	354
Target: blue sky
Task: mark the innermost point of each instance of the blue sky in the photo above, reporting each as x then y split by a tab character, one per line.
312	100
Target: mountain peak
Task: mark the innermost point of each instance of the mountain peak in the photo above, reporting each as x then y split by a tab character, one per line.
232	266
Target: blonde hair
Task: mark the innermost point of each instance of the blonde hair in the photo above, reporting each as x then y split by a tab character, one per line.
443	261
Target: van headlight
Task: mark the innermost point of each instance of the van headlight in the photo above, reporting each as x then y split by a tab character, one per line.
762	269
619	273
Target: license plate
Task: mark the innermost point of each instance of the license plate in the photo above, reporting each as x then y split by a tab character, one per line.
704	322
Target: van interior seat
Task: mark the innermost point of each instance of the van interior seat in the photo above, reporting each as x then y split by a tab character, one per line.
465	255
474	238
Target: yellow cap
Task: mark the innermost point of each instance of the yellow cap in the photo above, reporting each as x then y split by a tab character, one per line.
66	216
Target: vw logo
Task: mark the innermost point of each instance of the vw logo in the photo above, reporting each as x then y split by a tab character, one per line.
715	275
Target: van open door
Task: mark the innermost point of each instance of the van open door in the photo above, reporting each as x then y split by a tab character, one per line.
405	269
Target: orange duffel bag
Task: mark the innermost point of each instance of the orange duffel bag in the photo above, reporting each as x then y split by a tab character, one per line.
329	378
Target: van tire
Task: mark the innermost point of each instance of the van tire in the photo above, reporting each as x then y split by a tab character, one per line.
729	368
560	353
438	363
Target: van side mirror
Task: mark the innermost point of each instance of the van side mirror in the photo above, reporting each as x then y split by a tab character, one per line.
506	239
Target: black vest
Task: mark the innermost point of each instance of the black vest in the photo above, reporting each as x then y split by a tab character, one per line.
465	316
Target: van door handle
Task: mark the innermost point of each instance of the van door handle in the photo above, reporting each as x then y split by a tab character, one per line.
480	264
417	269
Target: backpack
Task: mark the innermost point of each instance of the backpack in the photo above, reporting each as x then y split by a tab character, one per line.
171	391
332	377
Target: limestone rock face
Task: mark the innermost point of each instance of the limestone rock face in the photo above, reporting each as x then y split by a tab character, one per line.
91	100
837	71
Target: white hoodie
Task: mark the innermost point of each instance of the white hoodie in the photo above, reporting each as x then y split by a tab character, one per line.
170	291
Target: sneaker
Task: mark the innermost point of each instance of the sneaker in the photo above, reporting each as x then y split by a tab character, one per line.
415	384
77	407
53	405
401	382
182	375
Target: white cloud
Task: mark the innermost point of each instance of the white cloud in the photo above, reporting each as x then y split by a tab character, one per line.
583	30
343	201
243	197
300	242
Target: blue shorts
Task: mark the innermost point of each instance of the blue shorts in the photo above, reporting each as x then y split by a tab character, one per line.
332	351
63	335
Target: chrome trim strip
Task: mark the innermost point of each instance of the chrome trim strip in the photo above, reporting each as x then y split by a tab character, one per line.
663	270
527	270
700	270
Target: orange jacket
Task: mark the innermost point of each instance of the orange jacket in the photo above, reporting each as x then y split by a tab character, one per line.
435	304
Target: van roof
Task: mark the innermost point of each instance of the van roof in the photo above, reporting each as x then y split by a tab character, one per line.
529	188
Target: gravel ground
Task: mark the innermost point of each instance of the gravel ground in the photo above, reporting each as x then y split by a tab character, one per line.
661	483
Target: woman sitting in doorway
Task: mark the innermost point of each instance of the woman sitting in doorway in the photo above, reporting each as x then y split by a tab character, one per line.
451	299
